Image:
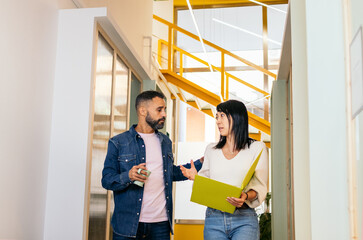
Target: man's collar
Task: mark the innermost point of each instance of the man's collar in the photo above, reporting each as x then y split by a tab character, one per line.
135	134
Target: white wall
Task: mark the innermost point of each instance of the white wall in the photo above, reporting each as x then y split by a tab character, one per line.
357	21
72	112
327	120
27	63
132	17
324	159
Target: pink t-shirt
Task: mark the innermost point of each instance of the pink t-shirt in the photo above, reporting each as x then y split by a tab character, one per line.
153	208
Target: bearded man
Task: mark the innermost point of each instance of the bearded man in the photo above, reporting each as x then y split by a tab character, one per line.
139	169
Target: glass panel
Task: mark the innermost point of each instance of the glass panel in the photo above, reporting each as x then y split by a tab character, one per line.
101	134
121	86
276	26
163	130
238	30
135	90
120	111
234	29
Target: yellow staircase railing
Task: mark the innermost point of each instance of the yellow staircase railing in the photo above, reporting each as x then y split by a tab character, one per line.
179	81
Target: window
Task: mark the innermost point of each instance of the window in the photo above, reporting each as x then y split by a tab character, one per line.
114	84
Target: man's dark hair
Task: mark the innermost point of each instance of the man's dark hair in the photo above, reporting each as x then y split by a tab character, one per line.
238	112
147	96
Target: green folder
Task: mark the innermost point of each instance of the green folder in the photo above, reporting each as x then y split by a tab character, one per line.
213	194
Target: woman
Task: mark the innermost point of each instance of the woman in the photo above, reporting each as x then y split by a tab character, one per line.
228	161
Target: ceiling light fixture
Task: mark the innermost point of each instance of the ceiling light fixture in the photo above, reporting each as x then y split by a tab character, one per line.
200	37
265	5
245	31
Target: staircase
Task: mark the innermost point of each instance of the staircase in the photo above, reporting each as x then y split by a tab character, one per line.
195	95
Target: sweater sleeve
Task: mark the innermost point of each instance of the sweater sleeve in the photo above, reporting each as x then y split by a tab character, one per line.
204	171
259	181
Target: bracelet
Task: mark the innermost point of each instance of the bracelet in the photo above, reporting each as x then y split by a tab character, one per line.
247	196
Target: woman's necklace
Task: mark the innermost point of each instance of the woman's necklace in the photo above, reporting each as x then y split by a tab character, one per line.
230	151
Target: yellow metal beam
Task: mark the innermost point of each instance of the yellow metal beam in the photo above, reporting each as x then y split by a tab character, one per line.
191	87
247	84
212	98
218	3
183	52
256	136
259	123
181	96
209	112
194	104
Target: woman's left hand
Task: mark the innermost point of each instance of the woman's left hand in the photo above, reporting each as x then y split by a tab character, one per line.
237	202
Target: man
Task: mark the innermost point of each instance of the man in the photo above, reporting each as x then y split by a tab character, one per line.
143	212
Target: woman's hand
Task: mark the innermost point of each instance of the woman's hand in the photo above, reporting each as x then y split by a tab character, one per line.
189	173
237	202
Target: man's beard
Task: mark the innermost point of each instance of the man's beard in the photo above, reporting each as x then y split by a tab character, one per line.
155	124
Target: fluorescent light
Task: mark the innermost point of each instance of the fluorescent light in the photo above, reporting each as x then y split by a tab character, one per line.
200	37
245	31
268	6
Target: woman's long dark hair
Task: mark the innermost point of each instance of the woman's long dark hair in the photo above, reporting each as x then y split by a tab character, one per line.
238	112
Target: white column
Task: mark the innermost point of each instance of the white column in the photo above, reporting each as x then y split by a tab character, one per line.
300	139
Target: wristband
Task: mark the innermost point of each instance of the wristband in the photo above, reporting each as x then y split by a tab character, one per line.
247	196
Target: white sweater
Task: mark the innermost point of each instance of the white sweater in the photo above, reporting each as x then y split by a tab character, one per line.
217	167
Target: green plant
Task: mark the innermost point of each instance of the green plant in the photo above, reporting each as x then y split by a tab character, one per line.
265	220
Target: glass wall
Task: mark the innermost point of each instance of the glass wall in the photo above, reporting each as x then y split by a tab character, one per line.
239	30
101	134
111	117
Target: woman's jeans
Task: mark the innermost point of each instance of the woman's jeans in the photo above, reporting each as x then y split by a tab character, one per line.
242	224
149	231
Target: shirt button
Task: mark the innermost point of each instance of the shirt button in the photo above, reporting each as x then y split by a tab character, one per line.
166	184
138	213
139	199
165	170
142	145
143	158
167	197
163	156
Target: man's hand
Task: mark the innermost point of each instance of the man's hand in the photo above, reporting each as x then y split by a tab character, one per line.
189	173
133	175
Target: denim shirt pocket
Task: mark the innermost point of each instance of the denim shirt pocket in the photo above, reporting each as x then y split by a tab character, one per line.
126	161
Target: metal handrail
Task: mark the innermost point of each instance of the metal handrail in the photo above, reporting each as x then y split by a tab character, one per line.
228	75
265	125
222	50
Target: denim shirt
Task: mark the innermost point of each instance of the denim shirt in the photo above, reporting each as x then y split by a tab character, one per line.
125	151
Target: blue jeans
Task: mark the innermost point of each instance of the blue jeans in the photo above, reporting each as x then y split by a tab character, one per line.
242	224
149	231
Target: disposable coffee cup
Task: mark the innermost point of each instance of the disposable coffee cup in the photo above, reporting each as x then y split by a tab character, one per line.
143	172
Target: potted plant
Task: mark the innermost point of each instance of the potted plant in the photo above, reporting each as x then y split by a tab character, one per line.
265	220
